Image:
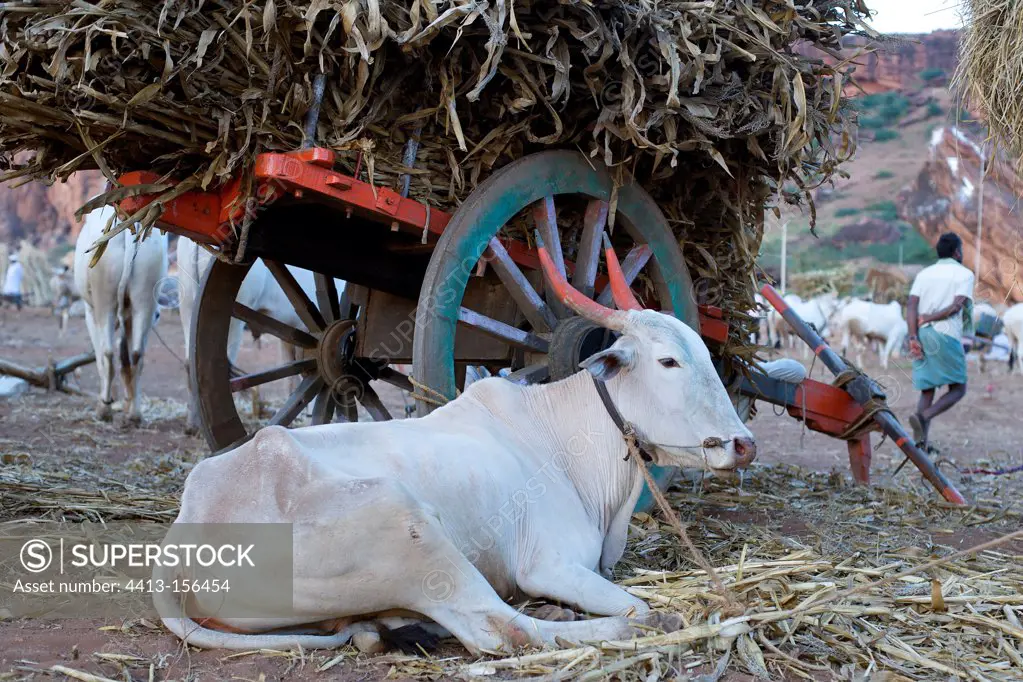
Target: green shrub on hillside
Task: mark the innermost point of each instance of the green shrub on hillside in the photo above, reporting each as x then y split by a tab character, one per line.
847	211
934	109
872	122
885	210
886	135
933	73
884	175
888	107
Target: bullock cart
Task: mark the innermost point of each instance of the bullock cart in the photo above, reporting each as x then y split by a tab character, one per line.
439	291
709	105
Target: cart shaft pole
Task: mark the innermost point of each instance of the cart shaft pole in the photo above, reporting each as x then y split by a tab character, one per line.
862	390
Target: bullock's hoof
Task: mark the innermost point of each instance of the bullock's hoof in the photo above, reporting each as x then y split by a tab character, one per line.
132	421
553	613
368	642
104	413
658	620
409	639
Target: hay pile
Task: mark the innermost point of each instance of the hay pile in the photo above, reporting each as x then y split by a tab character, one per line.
705	101
812	283
991	66
35	286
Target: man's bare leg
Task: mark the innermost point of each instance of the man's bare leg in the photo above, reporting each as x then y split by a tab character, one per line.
917	421
925	413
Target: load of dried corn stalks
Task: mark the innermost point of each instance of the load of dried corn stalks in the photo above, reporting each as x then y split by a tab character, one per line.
991	65
704	101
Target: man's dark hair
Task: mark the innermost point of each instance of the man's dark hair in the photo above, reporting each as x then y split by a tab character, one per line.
948	244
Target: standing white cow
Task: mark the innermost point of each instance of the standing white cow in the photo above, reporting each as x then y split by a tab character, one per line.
259	291
862	323
816	312
119	294
506	490
777	329
1013	319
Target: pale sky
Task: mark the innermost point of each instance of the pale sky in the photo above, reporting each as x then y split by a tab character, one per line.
914	16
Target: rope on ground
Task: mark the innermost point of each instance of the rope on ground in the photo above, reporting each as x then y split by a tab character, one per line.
732	606
169	349
991	472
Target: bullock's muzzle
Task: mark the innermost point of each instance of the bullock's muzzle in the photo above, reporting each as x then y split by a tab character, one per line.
745	451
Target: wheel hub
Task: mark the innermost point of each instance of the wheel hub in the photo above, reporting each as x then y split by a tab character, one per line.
333	352
574	340
345	374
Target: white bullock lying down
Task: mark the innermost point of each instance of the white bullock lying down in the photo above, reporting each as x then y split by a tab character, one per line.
378	508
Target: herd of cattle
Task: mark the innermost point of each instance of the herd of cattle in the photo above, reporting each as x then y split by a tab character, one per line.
118	294
855	327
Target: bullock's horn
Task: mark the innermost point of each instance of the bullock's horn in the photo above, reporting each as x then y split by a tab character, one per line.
574	299
620	289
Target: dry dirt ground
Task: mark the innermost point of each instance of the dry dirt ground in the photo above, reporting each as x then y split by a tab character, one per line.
58	433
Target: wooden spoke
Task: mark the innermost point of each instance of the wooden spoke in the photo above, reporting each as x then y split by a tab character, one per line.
297	401
530	374
539	315
371	401
307	312
323	407
633	264
327	298
348	411
266	376
264	323
395	378
546	222
502	331
588	257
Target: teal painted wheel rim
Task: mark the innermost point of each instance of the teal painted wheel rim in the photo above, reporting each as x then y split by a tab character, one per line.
492	205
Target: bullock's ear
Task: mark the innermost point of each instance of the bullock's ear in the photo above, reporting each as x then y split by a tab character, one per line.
606	364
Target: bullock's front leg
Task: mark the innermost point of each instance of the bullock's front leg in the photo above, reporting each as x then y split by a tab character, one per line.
582	589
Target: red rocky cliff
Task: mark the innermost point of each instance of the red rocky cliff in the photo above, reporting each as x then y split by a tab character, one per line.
45	215
897	64
944	198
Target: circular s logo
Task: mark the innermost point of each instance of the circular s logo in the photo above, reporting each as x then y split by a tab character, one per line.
36	556
438	585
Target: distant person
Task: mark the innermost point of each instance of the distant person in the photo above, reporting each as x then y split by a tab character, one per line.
63	295
939	310
12	282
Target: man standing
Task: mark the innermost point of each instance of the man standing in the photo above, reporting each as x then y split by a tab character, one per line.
939	310
12	282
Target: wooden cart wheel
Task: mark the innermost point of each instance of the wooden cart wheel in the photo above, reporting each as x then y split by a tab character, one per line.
330	379
548	341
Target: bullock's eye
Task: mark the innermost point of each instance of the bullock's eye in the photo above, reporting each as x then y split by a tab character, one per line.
669	362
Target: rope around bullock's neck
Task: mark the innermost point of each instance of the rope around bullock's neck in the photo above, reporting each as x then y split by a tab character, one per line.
732	606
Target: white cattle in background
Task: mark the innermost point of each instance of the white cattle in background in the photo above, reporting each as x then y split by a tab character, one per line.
259	291
1013	319
760	314
861	324
398	517
816	312
777	329
119	295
